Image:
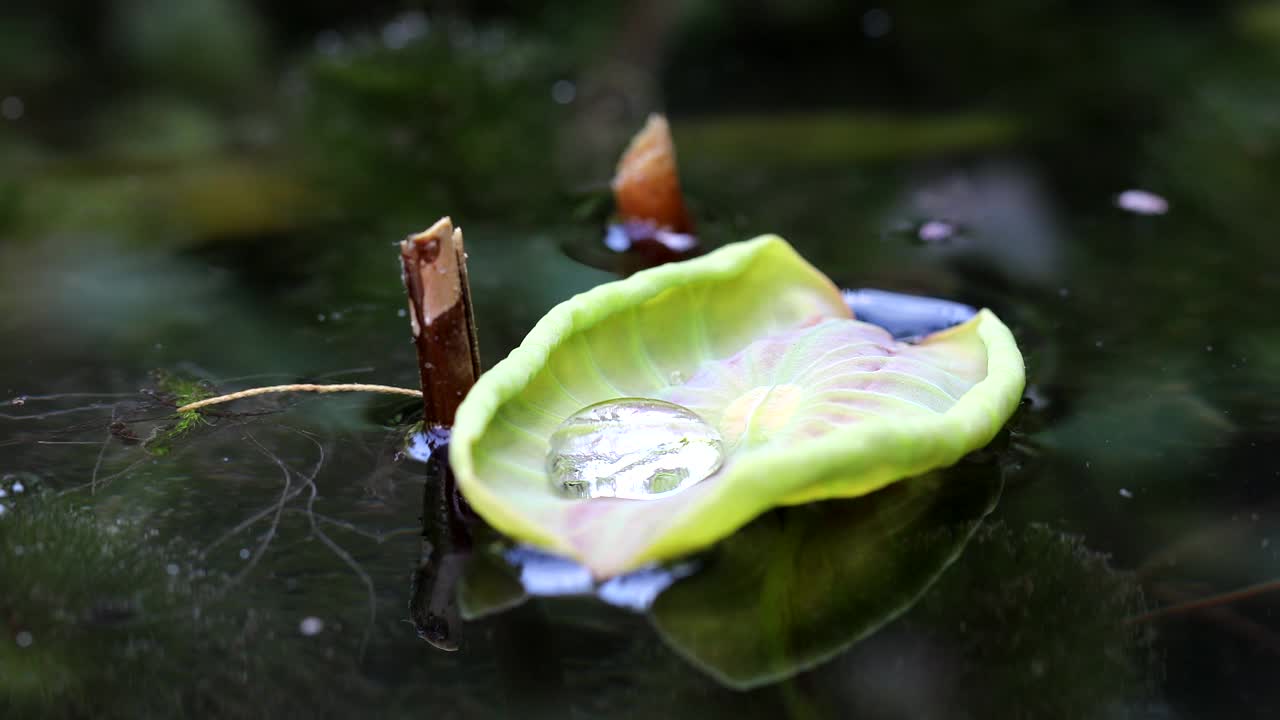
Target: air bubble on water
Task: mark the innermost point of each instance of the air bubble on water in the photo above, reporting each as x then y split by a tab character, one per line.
172	568
1142	202
18	488
329	42
936	231
24	639
244	553
1126	493
403	30
563	92
876	23
310	626
12	108
677	377
635	448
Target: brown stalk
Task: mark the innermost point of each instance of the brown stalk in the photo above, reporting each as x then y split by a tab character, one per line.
434	265
646	185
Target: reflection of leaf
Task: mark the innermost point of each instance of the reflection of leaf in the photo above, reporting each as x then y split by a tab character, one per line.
1164	427
812	404
488	587
798	586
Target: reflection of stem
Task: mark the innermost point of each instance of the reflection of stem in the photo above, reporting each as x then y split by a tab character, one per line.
446	545
1210	602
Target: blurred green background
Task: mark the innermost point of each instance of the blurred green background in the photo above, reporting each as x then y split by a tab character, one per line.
207	191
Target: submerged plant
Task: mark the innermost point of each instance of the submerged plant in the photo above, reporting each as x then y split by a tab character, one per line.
749	351
183	392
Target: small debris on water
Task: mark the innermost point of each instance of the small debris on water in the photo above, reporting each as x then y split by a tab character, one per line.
244	553
1142	202
1124	493
24	639
172	568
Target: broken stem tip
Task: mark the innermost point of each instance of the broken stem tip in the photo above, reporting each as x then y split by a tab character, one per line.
434	271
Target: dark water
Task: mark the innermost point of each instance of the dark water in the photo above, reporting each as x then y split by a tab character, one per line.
204	195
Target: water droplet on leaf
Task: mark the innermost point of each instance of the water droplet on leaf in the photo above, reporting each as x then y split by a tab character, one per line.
634	448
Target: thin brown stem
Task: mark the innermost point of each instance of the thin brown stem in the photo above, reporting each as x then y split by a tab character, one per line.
1209	602
301	387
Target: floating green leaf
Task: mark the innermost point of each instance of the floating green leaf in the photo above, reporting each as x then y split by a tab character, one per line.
811	404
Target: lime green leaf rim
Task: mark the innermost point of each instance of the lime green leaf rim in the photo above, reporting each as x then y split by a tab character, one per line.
847	462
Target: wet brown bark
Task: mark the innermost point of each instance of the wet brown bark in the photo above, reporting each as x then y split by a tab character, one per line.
434	270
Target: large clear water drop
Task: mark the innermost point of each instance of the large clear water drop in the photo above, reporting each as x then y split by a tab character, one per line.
635	448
